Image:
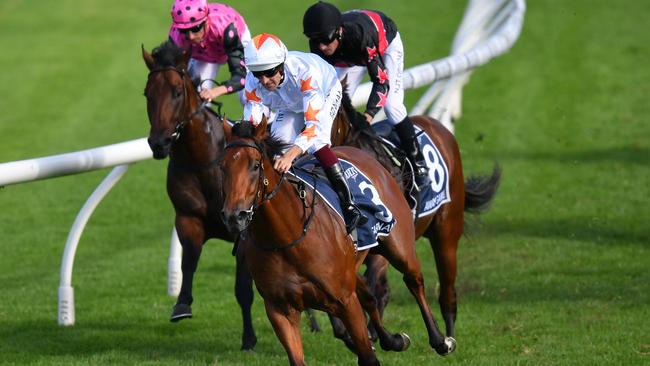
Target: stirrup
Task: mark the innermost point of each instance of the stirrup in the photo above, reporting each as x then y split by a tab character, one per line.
421	174
355	218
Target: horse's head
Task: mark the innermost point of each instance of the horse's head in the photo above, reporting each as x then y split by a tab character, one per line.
171	98
243	166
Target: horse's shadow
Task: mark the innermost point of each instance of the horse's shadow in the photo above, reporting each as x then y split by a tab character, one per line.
136	340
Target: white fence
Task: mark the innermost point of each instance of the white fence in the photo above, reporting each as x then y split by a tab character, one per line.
489	28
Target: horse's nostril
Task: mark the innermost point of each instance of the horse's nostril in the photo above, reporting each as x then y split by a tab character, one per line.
243	215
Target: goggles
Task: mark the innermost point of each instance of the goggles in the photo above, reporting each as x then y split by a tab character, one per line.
268	73
325	38
195	29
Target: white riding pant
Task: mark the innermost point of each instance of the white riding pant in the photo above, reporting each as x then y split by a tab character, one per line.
394	61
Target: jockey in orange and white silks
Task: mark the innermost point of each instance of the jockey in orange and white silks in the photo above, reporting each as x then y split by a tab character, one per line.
217	35
306	93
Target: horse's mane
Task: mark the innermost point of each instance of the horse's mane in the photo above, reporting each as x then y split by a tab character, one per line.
271	145
167	54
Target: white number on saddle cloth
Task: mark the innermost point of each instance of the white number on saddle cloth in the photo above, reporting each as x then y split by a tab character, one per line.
387	216
436	170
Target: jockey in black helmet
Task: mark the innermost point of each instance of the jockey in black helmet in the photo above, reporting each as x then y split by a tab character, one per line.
360	41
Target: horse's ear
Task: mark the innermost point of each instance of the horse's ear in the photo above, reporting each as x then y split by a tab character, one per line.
148	59
185	57
260	130
227	129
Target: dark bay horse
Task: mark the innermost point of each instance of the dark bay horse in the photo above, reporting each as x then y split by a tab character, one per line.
443	227
193	138
299	254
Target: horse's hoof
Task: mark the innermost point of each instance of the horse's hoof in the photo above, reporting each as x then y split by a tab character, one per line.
248	343
180	311
447	347
406	342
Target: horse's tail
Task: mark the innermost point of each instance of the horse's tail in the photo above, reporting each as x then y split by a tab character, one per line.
480	190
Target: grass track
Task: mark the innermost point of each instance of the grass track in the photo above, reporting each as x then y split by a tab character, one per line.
557	274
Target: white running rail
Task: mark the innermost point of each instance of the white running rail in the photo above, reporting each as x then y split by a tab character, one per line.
489	28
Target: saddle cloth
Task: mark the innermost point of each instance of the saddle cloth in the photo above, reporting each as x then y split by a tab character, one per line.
380	219
435	194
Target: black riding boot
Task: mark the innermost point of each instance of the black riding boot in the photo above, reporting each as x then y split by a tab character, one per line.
409	144
353	216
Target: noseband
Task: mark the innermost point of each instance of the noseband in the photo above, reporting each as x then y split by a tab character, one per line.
186	102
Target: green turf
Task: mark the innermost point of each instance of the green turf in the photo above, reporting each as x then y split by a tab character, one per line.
557	274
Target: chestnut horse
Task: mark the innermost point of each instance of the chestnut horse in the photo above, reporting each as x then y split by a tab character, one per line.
298	252
192	136
443	227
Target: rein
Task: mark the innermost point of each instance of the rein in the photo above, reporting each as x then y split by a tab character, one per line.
263	197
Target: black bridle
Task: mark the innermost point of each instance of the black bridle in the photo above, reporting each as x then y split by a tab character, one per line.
263	197
186	102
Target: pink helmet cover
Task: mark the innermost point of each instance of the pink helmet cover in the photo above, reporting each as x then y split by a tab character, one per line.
189	13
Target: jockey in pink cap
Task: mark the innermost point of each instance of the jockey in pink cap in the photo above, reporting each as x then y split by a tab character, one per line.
217	35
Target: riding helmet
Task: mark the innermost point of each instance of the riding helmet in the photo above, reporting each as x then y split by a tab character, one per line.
321	19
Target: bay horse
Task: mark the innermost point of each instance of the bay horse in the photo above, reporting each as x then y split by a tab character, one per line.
443	227
193	138
299	253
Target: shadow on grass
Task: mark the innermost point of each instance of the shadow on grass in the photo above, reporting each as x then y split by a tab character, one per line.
132	341
624	154
578	229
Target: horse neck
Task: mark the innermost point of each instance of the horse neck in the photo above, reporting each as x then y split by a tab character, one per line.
201	140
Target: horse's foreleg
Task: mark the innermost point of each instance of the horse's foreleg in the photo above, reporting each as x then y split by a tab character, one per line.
244	295
287	329
405	260
192	237
377	282
395	342
415	283
353	318
338	328
313	322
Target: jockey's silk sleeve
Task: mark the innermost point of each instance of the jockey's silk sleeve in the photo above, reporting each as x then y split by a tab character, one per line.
379	78
235	52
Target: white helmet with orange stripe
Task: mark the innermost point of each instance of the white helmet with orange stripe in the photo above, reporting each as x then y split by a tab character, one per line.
264	52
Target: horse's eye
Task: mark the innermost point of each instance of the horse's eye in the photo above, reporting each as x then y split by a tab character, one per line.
256	165
176	92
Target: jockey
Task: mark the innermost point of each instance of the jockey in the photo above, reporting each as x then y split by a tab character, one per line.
367	40
217	35
306	93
